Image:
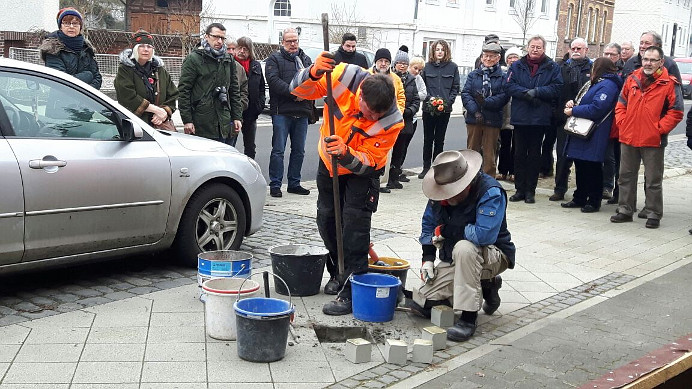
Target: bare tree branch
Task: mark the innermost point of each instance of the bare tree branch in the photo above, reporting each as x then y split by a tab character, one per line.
525	16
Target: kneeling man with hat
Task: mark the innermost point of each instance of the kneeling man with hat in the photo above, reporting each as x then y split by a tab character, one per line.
465	220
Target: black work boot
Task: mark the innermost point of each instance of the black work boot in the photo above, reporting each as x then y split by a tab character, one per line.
426	310
332	287
464	328
342	305
491	294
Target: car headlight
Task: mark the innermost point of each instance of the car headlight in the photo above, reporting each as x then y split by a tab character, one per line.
255	165
685	82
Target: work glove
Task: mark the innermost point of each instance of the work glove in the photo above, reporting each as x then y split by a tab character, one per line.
323	63
336	146
437	238
479	118
427	272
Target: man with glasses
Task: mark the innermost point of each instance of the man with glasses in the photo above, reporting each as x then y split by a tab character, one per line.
626	51
648	39
231	48
289	114
575	73
649	107
209	101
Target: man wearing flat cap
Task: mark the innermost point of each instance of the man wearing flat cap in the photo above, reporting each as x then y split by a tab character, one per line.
465	220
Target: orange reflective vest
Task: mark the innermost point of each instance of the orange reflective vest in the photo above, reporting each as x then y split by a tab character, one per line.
368	141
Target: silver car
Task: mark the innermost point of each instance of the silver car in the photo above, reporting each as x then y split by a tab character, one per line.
81	177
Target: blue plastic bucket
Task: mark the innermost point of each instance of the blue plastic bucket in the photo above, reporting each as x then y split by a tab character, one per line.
374	296
223	263
262	328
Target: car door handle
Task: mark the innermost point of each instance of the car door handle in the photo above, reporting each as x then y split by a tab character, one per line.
42	163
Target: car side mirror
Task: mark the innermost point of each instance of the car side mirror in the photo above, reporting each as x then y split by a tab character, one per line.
131	130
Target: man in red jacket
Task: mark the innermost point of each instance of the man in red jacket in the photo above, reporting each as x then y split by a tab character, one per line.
649	107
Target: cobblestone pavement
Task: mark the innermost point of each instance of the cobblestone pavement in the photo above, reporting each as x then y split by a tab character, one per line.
27	296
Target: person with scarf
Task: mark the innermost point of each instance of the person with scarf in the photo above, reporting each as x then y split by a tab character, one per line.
143	84
484	97
534	83
347	52
595	102
648	109
68	51
209	100
245	56
289	114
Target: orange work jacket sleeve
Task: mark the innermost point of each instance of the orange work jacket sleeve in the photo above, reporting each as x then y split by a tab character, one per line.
368	141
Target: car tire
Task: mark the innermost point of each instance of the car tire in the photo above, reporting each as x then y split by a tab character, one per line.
214	219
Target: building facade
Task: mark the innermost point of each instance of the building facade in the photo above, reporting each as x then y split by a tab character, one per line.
390	24
670	18
588	19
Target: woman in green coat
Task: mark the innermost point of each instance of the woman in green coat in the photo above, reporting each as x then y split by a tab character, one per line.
143	85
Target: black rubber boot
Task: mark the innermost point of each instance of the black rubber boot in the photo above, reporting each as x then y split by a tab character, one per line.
491	294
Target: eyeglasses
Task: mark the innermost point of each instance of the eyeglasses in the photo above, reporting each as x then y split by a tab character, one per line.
146	46
489	56
577	48
71	24
290	41
650	60
242	49
611	54
222	38
535	47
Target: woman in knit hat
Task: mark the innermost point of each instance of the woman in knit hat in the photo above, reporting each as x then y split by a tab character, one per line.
143	85
67	50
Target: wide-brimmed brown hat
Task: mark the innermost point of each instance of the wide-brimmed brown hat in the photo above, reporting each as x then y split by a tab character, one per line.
451	172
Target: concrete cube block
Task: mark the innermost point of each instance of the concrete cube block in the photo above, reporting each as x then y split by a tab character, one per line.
422	351
395	351
358	350
437	335
442	316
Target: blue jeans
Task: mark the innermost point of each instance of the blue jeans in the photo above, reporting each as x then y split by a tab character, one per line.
283	127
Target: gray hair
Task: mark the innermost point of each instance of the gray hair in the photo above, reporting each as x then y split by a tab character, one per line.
578	40
658	41
615	45
540	38
627	43
287	30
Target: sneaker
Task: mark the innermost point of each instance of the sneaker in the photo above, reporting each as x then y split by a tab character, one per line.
607	194
394	185
557	196
491	294
423	173
621	218
275	192
338	307
299	190
332	287
404	178
652	223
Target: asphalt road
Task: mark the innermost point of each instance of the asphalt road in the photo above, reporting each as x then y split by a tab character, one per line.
455	139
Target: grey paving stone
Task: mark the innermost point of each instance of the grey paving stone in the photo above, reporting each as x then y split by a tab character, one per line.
92	301
40	314
11	319
66	297
27	307
387	379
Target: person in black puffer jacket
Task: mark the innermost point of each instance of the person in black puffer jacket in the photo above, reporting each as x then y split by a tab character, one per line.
245	56
289	114
347	52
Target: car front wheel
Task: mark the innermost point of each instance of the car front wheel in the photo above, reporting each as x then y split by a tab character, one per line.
214	219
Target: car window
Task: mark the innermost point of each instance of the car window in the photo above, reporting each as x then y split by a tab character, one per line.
685	67
41	108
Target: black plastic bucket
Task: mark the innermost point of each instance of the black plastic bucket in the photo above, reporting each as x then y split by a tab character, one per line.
262	328
301	266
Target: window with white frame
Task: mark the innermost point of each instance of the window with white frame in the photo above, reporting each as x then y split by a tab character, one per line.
512	4
594	33
587	25
568	27
577	30
544	6
282	8
603	23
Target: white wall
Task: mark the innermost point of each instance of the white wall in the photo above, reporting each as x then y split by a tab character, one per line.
25	15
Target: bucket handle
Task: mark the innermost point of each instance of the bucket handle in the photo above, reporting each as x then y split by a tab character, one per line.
266	274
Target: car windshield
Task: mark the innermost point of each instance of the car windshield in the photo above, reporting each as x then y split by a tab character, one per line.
685	67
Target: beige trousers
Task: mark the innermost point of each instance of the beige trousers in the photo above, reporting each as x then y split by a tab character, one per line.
483	139
460	281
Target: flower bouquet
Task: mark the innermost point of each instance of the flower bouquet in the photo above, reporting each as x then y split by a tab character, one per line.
435	106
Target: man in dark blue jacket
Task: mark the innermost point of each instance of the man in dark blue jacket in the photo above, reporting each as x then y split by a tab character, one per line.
535	82
465	220
289	114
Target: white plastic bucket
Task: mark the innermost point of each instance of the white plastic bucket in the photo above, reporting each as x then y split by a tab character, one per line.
221	294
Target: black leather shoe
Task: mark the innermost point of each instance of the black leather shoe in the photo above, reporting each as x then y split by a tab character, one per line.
570	204
404	178
530	198
299	190
588	208
652	223
339	306
621	218
384	189
517	197
491	294
275	192
643	214
423	173
461	331
394	185
332	287
557	196
427	309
